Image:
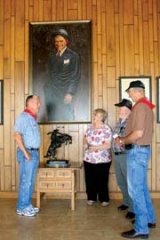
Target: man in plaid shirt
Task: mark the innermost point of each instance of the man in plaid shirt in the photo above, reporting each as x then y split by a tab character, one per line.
120	161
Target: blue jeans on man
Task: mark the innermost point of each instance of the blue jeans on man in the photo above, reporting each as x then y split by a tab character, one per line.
137	165
27	175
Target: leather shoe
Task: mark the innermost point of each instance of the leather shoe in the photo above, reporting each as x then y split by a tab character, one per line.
150	225
122	207
130	215
133	234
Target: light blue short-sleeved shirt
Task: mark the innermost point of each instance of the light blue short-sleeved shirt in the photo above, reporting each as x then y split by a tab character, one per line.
28	127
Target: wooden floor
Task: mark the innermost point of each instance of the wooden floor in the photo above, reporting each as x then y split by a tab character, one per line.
57	222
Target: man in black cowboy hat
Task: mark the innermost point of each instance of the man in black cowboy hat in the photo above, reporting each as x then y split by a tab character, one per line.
63	79
120	156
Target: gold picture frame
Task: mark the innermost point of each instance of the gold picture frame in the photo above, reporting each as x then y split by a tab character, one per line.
40	48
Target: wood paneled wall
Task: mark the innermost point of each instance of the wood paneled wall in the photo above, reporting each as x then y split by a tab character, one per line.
126	42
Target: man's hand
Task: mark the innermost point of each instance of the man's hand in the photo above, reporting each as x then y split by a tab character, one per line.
28	156
20	144
119	141
68	99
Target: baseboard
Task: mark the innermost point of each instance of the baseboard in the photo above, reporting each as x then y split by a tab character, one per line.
79	195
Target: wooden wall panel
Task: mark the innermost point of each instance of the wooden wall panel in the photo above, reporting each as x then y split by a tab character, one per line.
19	87
54	7
155	19
1	137
89	9
1	21
2	176
7	48
136	35
1	61
146	48
26	59
110	33
150	31
135	7
7	122
129	50
111	94
40	10
12	153
121	38
19	30
60	6
72	4
47	10
140	29
117	50
125	41
12	55
128	11
7	178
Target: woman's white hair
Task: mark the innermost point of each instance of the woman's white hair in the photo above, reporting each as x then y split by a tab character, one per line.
102	113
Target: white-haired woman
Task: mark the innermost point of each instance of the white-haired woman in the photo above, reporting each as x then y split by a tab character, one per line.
97	158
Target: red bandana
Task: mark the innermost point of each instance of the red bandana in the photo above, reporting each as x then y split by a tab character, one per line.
145	101
30	113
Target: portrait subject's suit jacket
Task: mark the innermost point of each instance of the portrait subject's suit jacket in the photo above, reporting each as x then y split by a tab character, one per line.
64	73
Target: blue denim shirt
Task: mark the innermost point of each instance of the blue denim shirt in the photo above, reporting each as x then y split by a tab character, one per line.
28	127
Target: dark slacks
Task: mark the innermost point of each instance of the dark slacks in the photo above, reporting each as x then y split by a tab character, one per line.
97	178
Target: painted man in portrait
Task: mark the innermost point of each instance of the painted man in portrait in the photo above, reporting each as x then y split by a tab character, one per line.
63	74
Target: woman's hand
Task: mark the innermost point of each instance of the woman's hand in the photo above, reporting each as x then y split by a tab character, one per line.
85	146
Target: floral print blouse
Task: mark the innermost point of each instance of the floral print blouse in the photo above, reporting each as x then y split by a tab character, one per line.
95	137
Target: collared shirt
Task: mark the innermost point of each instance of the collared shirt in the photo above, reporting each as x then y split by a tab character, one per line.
27	126
119	130
141	119
59	53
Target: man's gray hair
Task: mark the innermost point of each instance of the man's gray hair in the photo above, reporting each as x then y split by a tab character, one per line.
140	89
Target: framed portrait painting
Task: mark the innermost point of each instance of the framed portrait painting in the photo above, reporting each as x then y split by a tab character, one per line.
124	83
60	70
1	102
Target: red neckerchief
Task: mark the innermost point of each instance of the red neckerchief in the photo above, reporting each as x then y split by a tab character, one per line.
145	101
30	113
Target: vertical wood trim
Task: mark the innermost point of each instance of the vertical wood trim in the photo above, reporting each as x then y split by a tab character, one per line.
19	31
140	38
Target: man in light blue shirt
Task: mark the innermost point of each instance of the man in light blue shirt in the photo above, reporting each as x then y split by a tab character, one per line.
27	138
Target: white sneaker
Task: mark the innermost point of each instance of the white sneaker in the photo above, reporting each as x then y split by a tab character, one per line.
104	204
90	202
34	209
26	212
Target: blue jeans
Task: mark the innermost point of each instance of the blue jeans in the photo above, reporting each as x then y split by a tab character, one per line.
27	174
137	164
